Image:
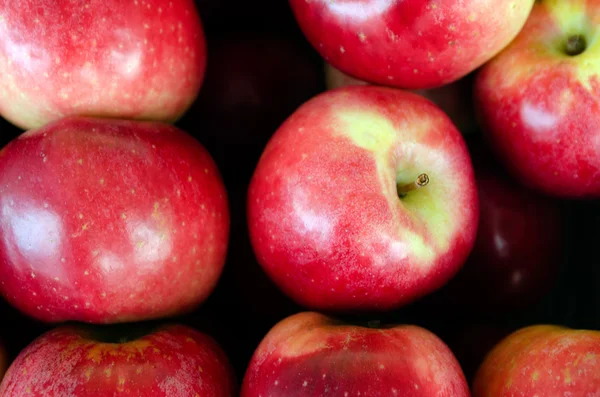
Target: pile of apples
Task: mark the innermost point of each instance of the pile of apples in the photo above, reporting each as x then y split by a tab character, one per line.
316	204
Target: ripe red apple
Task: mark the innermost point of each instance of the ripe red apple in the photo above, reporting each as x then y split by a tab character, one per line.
542	360
168	361
253	82
519	245
538	101
138	59
309	354
413	43
455	99
326	219
109	221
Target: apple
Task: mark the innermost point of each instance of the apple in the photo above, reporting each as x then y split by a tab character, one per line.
455	98
538	105
107	221
364	199
519	245
253	82
310	354
172	360
138	59
412	44
542	360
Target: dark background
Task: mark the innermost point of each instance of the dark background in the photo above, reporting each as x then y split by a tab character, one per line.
260	69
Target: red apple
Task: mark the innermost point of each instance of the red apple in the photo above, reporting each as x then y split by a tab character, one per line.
413	43
538	101
253	82
169	361
542	360
326	219
455	99
109	221
519	245
141	59
309	354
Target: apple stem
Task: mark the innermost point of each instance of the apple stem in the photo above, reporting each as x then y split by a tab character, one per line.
421	181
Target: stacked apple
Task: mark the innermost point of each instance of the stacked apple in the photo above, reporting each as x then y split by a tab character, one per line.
358	191
367	198
109	215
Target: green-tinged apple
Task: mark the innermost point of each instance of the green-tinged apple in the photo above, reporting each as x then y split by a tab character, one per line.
542	360
364	199
309	354
168	361
455	99
539	100
105	220
134	59
411	43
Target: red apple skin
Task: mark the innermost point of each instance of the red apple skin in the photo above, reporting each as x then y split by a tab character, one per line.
413	43
173	361
142	59
309	354
519	245
109	221
542	360
325	220
539	107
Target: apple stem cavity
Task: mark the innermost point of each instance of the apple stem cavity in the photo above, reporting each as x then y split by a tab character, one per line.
421	181
576	44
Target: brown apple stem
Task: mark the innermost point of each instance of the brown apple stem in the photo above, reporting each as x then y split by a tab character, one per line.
421	181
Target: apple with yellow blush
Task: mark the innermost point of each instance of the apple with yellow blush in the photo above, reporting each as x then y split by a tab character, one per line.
538	100
364	199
